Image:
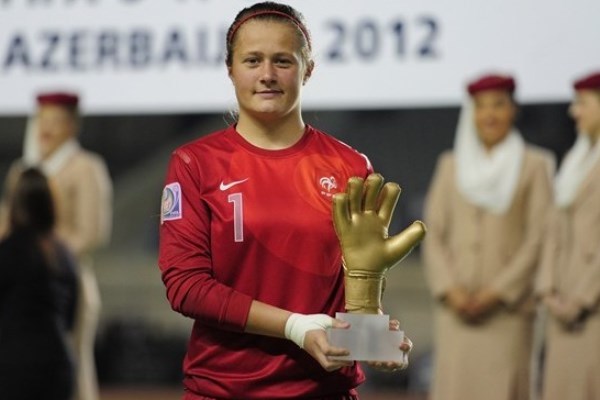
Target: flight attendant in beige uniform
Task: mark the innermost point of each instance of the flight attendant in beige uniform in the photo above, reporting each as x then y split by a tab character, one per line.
484	213
84	210
569	279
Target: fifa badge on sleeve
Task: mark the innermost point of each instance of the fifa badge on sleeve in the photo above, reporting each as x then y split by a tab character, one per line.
171	203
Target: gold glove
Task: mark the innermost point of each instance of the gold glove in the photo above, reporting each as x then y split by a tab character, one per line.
361	218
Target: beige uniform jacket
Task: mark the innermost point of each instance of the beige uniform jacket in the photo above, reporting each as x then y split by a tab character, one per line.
571	268
469	246
83	201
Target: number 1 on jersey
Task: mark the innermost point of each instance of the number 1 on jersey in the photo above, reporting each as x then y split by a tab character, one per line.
238	216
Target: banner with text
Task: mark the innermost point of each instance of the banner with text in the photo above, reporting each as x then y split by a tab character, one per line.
167	56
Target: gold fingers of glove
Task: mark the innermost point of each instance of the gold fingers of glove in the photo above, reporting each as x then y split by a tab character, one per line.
362	216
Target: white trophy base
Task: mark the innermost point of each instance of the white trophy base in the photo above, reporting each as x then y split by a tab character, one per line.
368	339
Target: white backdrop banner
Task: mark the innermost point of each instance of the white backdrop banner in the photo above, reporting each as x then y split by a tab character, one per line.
167	56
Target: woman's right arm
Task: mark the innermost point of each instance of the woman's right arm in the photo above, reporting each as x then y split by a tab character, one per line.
544	280
437	216
10	181
307	331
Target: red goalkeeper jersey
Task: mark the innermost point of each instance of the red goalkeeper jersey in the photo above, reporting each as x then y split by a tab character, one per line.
240	223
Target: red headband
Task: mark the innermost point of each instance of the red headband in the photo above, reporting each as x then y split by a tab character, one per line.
271	12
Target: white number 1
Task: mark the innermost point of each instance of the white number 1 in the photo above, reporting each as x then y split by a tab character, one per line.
238	216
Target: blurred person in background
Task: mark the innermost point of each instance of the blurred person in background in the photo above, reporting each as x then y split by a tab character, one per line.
84	210
247	243
38	294
485	211
569	279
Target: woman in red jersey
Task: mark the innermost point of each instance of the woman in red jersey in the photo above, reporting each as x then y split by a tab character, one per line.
247	245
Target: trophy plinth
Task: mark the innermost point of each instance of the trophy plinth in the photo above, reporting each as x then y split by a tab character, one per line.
369	338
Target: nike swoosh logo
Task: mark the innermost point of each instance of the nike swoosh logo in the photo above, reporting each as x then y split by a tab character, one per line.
225	186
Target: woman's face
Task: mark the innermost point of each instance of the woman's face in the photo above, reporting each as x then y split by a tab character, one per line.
494	116
267	69
585	110
55	126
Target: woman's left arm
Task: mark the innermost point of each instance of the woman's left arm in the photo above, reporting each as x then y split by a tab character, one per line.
93	209
516	279
587	290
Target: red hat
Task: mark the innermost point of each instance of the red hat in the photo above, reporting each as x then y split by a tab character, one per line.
58	98
589	82
492	82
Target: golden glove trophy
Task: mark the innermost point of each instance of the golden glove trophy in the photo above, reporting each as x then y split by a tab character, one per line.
361	217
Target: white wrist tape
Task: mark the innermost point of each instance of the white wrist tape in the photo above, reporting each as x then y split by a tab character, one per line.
298	324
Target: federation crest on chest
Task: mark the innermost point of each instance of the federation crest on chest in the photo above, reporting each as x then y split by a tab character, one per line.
328	185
